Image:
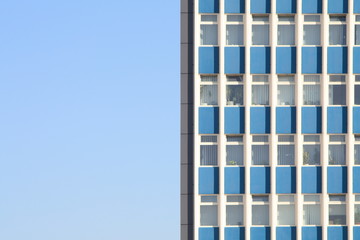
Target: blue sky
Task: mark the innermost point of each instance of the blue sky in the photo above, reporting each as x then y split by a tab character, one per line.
89	120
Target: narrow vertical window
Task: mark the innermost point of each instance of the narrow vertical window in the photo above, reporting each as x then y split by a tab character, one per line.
209	30
234	150
234	210
260	210
286	90
357	30
208	90
208	151
337	210
337	90
357	90
286	150
311	150
260	90
312	30
234	30
260	150
357	150
312	210
286	30
234	90
311	90
209	211
337	30
337	150
357	210
260	30
286	210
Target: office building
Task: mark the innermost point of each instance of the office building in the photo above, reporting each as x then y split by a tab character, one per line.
270	133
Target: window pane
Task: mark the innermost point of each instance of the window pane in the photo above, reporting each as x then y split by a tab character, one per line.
231	78
208	155
208	95
234	34
208	199
234	18
337	154
337	94
286	215
337	214
311	94
357	34
260	34
234	95
337	34
312	35
312	18
286	154
260	94
311	78
261	78
234	155
286	34
234	198
260	155
209	78
357	154
208	216
234	215
357	214
357	94
311	138
311	214
208	138
311	154
208	34
208	18
260	215
337	78
286	95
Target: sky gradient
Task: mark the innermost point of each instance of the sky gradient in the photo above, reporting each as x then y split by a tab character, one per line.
89	120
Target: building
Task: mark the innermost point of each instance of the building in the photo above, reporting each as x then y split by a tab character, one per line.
270	105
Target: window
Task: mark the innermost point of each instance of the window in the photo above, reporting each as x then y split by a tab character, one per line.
260	150
311	90
234	90
208	90
260	30
286	30
357	30
357	150
357	90
337	30
312	29
208	211
234	30
208	30
337	210
311	210
337	150
357	210
208	151
286	150
260	90
286	210
234	210
260	210
234	150
286	90
311	150
337	90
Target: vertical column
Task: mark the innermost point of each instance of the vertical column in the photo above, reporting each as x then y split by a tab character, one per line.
350	105
196	38
298	140
324	101
273	102
222	103
247	102
187	120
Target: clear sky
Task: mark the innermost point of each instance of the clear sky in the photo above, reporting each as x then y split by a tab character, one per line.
89	120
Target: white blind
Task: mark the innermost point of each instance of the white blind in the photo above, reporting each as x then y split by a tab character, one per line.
286	214
311	94
260	215
286	155
286	35
337	34
208	215
312	35
234	155
208	34
357	154
260	34
286	95
311	214
234	34
357	34
311	154
260	155
234	215
260	94
208	155
337	154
